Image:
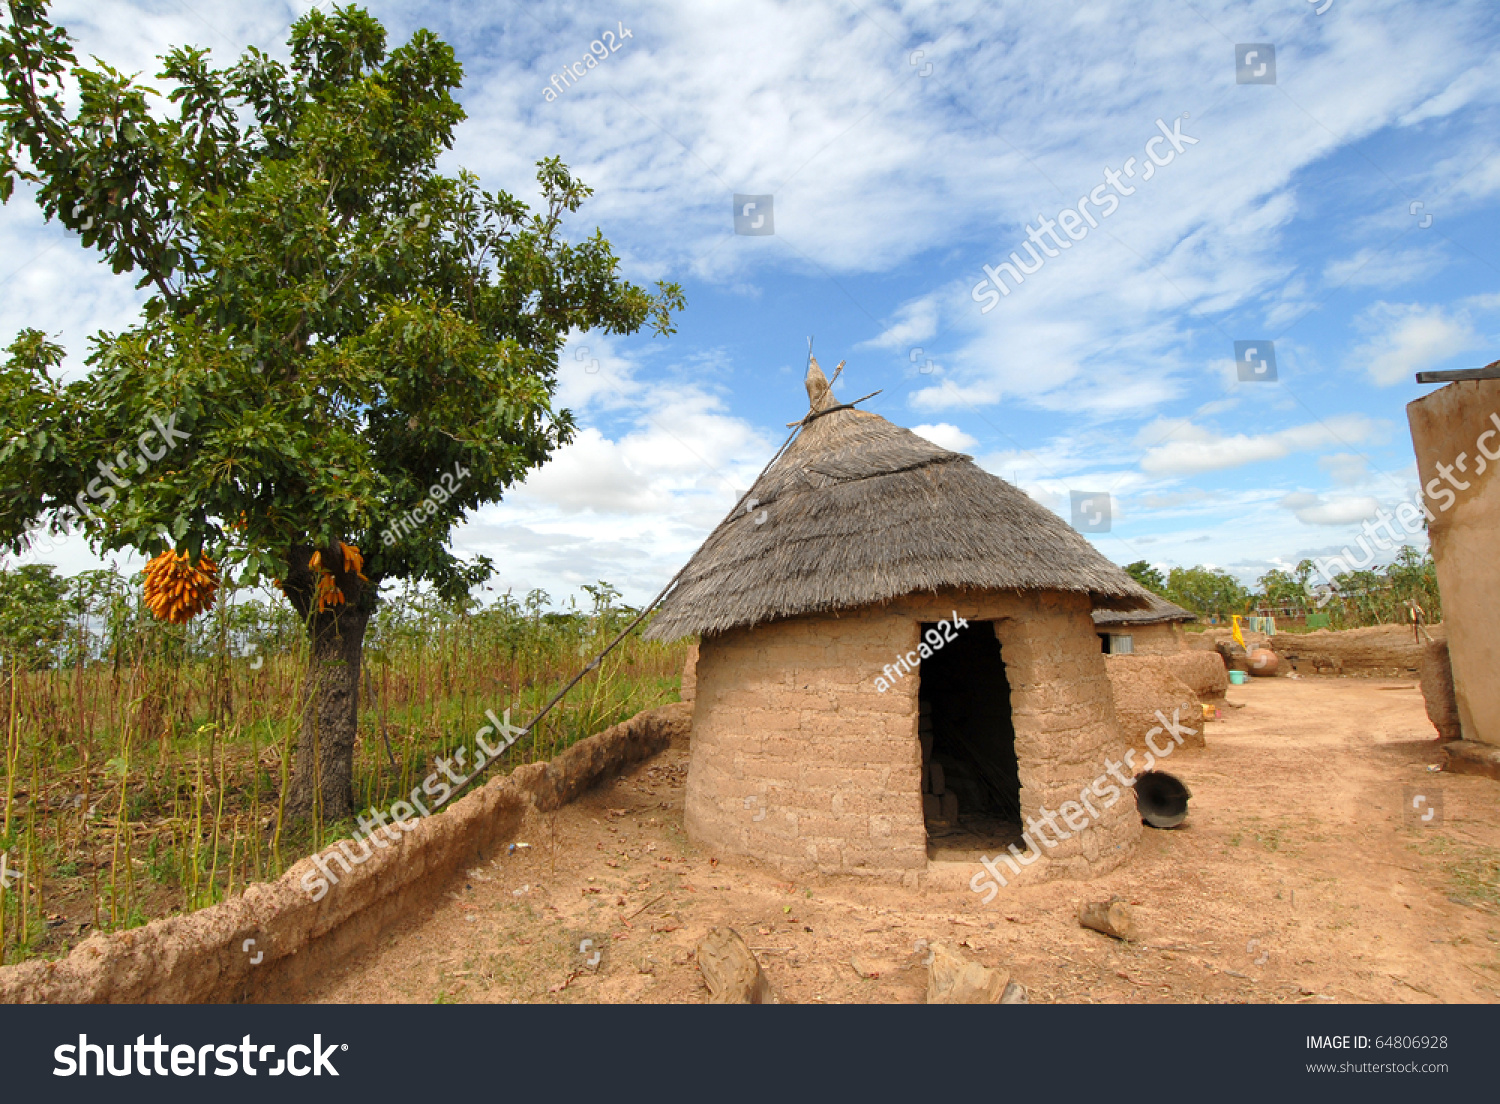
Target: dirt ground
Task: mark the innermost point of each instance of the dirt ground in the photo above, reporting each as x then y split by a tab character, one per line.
1299	877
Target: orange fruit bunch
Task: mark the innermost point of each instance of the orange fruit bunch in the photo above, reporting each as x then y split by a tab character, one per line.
176	591
328	593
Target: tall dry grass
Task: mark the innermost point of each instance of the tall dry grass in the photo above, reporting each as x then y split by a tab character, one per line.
145	763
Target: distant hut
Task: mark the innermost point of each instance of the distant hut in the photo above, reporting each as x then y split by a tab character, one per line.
897	665
1154	631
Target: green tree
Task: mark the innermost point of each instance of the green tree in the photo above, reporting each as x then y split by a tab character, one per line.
33	614
342	345
1150	578
1282	590
1207	592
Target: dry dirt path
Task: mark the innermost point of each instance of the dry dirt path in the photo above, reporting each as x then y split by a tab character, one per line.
1298	877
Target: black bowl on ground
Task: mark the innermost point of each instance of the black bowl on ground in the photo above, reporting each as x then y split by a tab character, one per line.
1161	798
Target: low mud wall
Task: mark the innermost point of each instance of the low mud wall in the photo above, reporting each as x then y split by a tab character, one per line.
1204	673
1382	651
207	956
1145	685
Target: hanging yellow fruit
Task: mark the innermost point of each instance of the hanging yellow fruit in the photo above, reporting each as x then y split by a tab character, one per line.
176	591
326	592
353	560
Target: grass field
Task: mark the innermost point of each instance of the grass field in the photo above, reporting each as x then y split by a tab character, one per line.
145	763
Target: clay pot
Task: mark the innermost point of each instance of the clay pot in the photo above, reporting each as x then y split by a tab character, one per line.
1263	662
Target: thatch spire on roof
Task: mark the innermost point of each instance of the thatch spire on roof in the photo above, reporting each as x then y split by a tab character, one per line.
858	511
819	390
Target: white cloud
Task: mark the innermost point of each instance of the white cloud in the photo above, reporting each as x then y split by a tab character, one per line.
891	186
1311	509
1187	448
948	436
915	321
1379	268
1347	469
1406	338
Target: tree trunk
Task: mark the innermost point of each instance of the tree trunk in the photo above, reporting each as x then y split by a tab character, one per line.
323	779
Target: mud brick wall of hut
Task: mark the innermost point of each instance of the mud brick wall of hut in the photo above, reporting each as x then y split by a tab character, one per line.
1163	639
801	763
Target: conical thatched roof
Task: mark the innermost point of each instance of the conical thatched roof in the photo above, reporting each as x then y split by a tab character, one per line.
858	511
1161	612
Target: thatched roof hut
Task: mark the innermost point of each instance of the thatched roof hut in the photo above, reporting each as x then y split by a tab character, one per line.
1153	631
858	511
897	668
1160	612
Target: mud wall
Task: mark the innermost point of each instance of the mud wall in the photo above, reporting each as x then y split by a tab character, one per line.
1458	427
690	675
1384	651
1145	685
203	957
1163	639
802	762
1203	672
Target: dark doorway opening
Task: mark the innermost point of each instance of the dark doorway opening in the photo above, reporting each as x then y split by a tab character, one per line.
971	788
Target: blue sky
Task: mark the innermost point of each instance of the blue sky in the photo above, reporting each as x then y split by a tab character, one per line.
906	148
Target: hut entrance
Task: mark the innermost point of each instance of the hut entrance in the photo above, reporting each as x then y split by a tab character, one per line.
970	785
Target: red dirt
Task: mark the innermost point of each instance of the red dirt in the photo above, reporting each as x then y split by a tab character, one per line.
1298	877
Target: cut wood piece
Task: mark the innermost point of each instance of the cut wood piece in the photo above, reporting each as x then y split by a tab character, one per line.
932	807
953	979
926	746
731	970
1112	917
935	778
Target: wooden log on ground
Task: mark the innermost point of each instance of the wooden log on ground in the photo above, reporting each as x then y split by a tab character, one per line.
731	970
1112	917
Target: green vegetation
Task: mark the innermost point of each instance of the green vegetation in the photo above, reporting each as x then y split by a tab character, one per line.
146	762
1473	870
1360	597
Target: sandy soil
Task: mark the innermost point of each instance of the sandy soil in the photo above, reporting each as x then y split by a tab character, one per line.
1299	876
